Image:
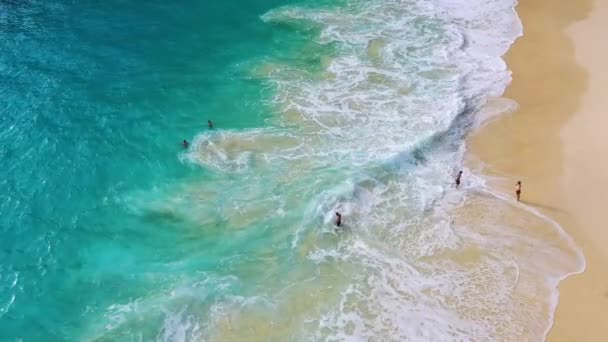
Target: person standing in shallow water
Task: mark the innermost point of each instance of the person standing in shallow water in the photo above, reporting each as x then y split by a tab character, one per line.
185	144
518	190
457	181
210	124
338	219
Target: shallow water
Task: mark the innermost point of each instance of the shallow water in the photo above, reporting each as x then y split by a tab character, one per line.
112	231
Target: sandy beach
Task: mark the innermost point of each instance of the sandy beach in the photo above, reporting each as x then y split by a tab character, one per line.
553	143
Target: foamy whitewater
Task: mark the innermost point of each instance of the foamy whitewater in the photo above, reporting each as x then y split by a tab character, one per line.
370	109
374	128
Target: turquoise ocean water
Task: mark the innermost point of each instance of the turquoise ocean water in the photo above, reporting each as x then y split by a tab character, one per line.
97	99
112	231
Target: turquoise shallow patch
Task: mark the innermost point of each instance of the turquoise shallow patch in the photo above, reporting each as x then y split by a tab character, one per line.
96	100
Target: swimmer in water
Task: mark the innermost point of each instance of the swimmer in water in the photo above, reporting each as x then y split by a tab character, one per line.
185	143
518	190
210	124
458	179
338	219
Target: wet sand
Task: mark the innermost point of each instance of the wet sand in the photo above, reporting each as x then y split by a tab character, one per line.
554	144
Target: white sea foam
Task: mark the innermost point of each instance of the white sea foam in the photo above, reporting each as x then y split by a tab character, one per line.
378	135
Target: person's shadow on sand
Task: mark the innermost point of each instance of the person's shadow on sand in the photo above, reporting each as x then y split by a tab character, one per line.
543	206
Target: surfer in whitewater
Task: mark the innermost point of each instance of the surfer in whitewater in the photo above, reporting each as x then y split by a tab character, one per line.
457	181
338	219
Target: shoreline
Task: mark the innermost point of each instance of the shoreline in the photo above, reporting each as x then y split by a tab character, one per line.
547	141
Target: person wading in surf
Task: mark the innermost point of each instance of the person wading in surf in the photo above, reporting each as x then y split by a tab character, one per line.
338	219
518	190
457	181
210	124
185	143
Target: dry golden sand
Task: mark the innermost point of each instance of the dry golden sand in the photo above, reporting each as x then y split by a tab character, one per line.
555	144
